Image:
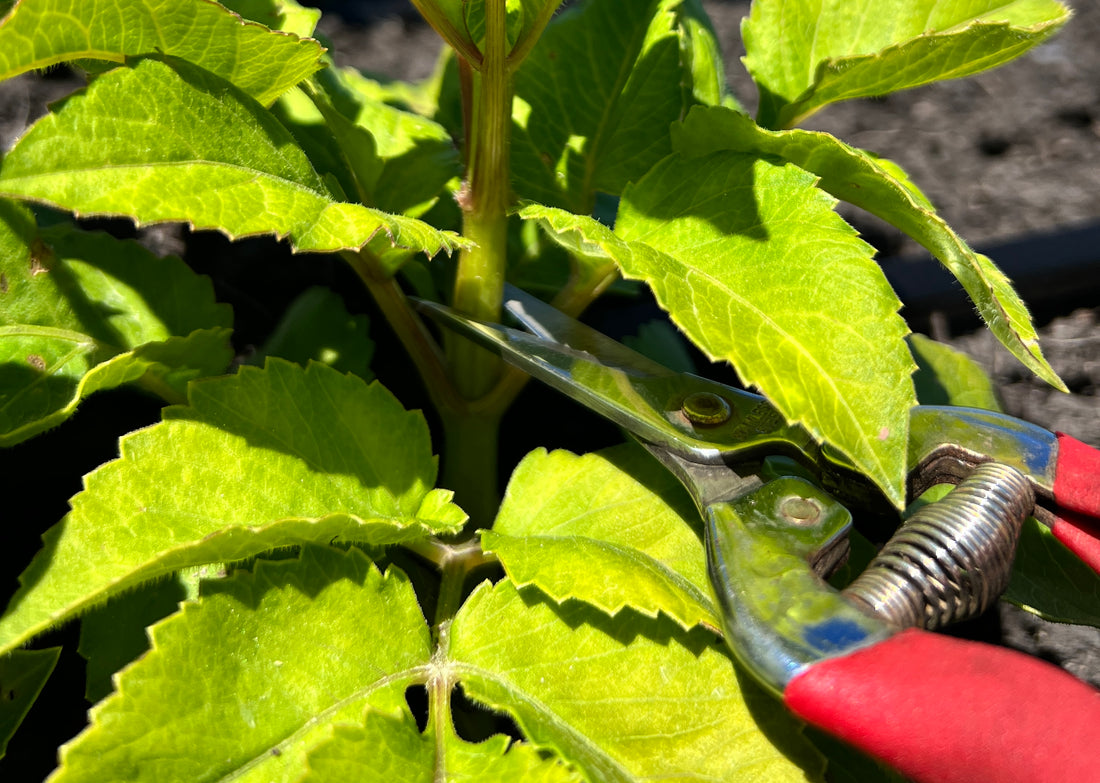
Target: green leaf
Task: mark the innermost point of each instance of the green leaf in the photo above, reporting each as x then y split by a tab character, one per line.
269	458
659	341
284	15
166	141
259	62
595	99
407	756
413	158
754	267
883	189
244	682
81	312
317	327
805	54
22	675
613	529
114	634
1052	582
948	377
623	698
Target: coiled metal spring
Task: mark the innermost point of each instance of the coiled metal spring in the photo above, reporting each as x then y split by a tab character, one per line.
951	559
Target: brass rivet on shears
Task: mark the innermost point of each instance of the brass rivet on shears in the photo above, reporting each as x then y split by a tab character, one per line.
706	409
800	511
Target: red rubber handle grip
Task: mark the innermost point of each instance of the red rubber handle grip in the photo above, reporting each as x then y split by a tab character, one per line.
943	710
1077	488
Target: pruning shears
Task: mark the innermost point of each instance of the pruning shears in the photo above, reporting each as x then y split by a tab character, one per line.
862	663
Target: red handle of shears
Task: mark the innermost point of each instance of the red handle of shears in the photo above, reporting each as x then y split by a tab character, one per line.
944	710
1077	489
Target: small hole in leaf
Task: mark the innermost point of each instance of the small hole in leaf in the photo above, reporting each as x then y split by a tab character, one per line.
475	723
416	696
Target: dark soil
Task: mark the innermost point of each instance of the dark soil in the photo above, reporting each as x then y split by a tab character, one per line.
1011	158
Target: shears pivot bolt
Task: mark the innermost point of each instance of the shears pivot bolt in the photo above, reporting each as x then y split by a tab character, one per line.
706	409
800	511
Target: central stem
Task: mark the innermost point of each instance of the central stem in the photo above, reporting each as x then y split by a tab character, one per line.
479	283
470	458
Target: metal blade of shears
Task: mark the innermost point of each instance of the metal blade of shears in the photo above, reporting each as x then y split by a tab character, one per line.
702	421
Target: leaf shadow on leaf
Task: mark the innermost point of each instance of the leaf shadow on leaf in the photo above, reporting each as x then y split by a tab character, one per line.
264	578
562	164
40	565
731	205
644	471
627	624
772	718
28	378
241	405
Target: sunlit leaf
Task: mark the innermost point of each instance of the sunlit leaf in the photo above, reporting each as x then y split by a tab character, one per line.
804	54
258	61
244	682
390	749
268	458
623	698
612	529
81	312
285	15
166	141
883	189
752	265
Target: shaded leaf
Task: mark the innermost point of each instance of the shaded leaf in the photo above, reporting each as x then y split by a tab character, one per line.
269	458
945	376
413	157
659	341
612	529
595	99
244	682
81	312
883	189
804	54
623	698
258	61
153	142
114	634
1052	582
22	675
317	327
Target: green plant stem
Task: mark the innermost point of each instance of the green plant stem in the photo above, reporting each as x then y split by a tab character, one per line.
479	280
470	439
410	330
470	447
